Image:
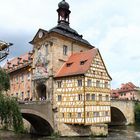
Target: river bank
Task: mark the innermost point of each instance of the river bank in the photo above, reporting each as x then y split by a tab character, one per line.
115	133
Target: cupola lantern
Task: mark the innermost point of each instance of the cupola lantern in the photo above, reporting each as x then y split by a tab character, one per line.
63	12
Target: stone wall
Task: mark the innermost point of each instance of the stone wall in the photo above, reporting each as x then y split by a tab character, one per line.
81	130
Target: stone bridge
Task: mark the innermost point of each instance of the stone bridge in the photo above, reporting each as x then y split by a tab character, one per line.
40	114
122	112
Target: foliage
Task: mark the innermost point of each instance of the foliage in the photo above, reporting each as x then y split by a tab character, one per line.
4	80
137	111
10	115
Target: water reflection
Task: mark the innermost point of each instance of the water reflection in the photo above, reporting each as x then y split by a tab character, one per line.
115	133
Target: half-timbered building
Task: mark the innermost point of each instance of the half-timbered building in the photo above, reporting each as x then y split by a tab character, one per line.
83	89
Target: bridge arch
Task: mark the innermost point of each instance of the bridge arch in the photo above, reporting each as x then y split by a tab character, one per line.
122	112
40	125
117	117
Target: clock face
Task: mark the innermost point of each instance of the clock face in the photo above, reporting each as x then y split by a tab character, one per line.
40	34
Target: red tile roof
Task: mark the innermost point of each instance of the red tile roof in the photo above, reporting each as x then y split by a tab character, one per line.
18	61
78	63
125	88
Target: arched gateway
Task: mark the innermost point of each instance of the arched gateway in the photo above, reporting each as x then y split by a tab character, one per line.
41	91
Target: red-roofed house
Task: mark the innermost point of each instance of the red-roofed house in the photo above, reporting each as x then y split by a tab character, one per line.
19	69
127	91
83	89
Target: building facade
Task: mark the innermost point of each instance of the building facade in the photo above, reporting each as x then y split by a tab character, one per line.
127	91
69	72
20	72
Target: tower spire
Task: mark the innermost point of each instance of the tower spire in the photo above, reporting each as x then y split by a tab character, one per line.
63	12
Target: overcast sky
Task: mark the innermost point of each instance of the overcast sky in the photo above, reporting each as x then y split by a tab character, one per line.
113	26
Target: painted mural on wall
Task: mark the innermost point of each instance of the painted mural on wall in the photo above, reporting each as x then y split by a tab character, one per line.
40	66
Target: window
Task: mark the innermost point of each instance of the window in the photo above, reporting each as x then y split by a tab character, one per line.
63	115
69	115
106	84
79	115
87	97
22	77
59	98
79	83
22	94
107	97
46	49
65	49
17	95
68	64
93	97
88	114
95	114
28	76
97	62
28	94
82	62
79	97
59	83
106	113
100	97
89	82
101	73
97	83
17	79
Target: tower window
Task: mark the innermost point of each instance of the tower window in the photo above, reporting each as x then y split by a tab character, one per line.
46	49
65	50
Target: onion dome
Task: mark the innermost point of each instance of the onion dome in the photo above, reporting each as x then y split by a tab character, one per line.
63	5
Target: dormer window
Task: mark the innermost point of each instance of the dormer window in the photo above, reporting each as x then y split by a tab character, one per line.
82	62
68	64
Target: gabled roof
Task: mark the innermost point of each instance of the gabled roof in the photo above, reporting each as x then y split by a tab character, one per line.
35	37
127	87
18	62
74	67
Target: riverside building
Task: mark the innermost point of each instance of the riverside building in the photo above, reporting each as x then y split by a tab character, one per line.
68	71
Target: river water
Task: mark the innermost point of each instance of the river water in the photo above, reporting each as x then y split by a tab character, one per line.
115	133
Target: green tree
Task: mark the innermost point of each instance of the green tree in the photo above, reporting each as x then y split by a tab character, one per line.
10	115
4	80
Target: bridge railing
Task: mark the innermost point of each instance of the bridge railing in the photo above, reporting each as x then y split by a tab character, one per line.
34	102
